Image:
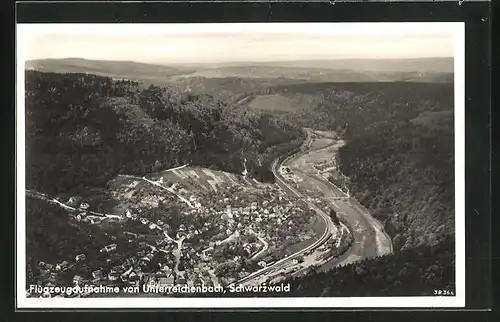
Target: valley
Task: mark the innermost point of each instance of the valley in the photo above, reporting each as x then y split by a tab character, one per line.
230	175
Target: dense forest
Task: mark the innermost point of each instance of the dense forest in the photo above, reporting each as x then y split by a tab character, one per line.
84	129
399	157
399	151
406	179
357	107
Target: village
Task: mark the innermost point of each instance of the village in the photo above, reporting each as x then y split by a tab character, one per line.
179	228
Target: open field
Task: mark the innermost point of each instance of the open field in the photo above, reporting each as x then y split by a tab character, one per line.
320	143
281	103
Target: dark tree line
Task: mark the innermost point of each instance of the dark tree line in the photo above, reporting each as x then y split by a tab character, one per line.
404	173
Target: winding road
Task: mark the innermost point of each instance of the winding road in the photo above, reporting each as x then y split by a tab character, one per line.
41	196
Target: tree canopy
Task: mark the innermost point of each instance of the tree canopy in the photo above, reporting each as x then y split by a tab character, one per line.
84	129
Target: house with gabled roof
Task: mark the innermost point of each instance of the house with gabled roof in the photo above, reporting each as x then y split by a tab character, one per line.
80	257
62	266
97	274
112	276
165	280
77	279
53	277
181	280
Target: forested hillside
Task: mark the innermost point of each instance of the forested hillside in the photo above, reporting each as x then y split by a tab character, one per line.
403	172
360	106
227	88
399	151
81	130
399	157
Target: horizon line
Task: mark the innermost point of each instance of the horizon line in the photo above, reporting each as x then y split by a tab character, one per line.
243	61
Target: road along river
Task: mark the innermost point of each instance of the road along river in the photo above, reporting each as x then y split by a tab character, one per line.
369	238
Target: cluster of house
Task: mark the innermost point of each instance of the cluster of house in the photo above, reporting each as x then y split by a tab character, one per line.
288	175
124	272
189	253
260	218
49	273
231	211
130	271
161	280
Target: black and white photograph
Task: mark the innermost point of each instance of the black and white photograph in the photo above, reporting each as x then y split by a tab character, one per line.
226	165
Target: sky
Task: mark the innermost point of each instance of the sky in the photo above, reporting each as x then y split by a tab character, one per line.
205	43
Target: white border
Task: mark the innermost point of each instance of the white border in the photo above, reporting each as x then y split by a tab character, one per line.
458	31
319	28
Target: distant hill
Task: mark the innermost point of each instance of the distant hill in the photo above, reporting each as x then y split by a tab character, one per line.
422	65
439	70
229	81
344	70
117	69
306	74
